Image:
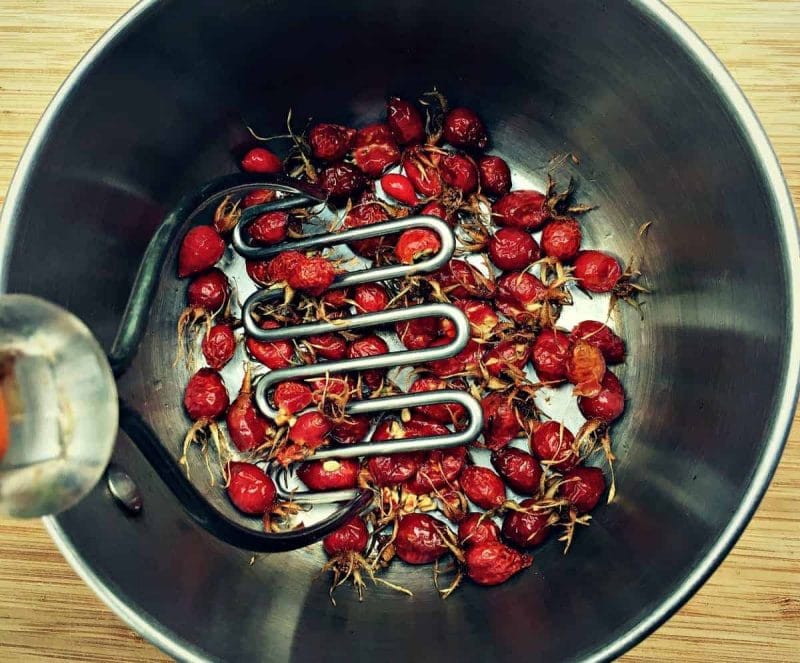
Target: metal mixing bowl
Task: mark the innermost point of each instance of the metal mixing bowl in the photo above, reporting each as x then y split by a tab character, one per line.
663	134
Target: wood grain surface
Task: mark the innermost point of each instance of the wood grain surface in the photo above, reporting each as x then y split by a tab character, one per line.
749	609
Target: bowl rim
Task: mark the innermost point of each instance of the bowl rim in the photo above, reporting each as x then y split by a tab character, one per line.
752	130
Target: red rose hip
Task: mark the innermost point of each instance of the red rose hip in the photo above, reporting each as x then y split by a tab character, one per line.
521	471
551	443
218	345
400	188
495	176
205	396
330	142
405	121
463	128
550	351
609	404
250	489
419	539
513	249
321	475
208	291
476	529
201	248
583	487
561	239
352	537
524	209
483	487
601	336
526	530
261	160
597	271
493	563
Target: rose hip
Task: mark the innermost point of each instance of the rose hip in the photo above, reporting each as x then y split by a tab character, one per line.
258	270
561	239
208	291
459	279
250	489
201	248
419	539
366	213
284	264
526	530
525	209
261	160
370	298
519	295
463	128
608	405
500	421
328	346
352	537
400	188
443	413
336	299
521	471
476	529
205	396
585	369
269	228
258	197
459	171
341	180
415	244
422	169
482	318
292	397
310	430
375	149
369	346
439	468
513	249
602	337
312	275
330	142
246	427
405	121
465	362
483	487
597	271
321	475
435	208
508	357
273	354
418	333
550	352
551	443
583	487
493	563
353	429
495	175
218	345
453	504
397	468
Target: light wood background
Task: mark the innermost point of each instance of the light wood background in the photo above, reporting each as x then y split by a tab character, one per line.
749	609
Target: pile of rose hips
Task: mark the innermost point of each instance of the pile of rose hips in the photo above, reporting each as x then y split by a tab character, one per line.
425	159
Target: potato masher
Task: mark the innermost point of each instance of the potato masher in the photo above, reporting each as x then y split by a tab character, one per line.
291	195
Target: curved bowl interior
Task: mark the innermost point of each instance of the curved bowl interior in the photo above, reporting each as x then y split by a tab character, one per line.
162	108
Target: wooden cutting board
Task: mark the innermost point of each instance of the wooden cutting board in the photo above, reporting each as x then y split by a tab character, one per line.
749	609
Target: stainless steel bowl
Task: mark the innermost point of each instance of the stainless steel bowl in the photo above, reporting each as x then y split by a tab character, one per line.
159	106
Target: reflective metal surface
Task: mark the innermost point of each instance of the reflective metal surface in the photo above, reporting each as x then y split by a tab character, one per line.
662	133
